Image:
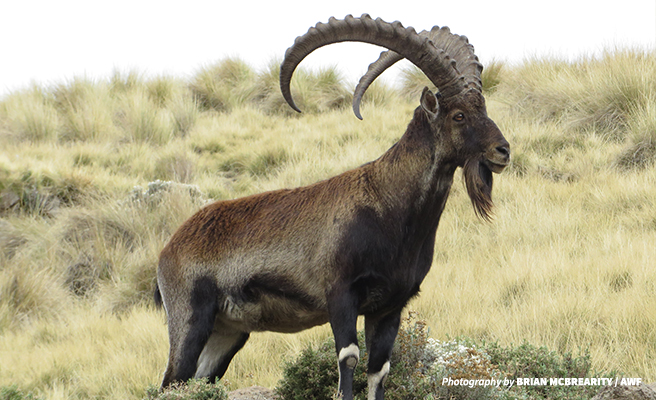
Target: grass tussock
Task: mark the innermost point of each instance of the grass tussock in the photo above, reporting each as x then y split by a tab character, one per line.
232	83
591	94
95	176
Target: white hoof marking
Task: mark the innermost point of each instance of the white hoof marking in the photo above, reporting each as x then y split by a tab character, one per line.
352	356
377	379
352	353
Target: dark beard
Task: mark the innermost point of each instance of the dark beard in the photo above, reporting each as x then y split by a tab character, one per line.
478	179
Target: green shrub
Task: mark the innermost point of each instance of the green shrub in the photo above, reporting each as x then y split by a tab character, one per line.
314	376
414	373
420	364
195	389
529	361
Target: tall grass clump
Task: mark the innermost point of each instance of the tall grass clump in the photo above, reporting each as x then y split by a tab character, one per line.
127	107
30	115
142	120
589	94
492	76
125	81
109	252
413	82
86	109
640	151
611	97
232	83
224	85
379	95
266	93
40	189
313	91
328	90
153	111
104	252
30	292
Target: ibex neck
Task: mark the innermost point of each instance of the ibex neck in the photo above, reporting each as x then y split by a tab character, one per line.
413	176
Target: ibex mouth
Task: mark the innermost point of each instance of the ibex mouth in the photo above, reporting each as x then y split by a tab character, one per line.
498	158
496	167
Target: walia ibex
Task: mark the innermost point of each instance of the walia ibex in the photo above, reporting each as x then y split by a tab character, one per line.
359	243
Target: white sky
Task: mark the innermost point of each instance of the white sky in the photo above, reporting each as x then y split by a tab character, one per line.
46	41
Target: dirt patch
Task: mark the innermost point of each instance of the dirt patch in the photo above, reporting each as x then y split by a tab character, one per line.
253	393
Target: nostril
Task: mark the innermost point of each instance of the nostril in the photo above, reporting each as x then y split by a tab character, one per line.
504	150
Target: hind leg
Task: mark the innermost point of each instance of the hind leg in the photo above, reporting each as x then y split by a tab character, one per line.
343	319
188	334
191	323
380	335
218	352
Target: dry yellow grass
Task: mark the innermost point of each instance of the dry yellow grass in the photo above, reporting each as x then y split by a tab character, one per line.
568	261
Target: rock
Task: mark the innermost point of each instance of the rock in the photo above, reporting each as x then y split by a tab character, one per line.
252	393
158	189
640	392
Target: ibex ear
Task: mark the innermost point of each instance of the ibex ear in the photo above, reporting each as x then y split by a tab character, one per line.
429	103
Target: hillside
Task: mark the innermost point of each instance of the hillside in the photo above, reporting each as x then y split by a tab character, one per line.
86	204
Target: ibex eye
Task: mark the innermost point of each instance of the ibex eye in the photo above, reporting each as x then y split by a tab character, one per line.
459	117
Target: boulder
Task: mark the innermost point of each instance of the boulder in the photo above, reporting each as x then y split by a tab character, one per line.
640	392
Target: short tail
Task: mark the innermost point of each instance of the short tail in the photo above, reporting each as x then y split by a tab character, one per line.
158	296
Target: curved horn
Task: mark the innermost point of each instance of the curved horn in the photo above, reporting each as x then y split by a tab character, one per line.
456	46
385	60
420	50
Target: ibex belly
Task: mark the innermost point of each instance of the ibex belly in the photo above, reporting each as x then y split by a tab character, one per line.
270	312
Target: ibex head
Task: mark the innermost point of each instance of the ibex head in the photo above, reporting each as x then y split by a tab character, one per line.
465	135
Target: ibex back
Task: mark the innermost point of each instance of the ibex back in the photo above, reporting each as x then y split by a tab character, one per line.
359	243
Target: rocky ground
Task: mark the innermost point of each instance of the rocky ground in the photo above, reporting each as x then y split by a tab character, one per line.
252	393
641	392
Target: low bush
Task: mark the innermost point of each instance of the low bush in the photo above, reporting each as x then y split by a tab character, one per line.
529	361
420	365
195	389
417	367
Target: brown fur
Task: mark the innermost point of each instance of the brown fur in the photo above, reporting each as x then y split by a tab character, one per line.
358	243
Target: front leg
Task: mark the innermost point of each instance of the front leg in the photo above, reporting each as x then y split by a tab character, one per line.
380	334
343	309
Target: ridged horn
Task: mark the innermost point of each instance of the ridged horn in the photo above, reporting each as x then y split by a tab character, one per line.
457	47
386	60
434	62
